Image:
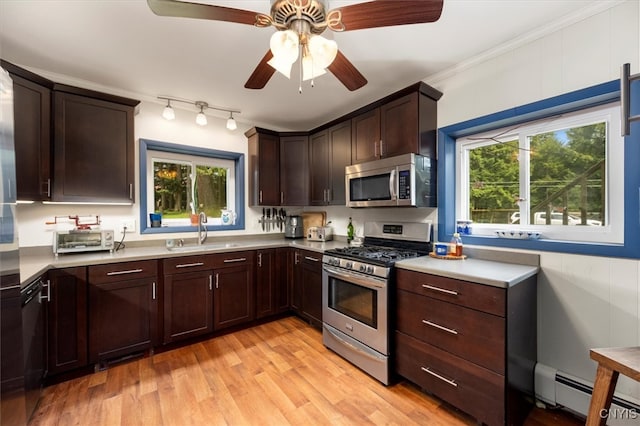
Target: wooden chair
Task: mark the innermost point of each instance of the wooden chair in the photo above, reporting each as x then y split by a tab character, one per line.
611	362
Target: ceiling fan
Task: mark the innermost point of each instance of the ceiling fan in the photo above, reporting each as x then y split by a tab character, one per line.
300	23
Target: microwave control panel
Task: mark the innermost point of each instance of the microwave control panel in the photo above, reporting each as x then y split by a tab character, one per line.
404	185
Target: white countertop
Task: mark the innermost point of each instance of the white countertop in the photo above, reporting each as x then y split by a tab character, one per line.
497	274
34	263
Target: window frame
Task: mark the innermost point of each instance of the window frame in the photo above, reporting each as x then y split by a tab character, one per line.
611	232
147	147
565	103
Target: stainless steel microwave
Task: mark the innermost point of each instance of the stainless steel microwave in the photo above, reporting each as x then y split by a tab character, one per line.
407	180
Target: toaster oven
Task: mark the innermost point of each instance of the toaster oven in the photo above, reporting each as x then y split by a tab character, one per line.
80	241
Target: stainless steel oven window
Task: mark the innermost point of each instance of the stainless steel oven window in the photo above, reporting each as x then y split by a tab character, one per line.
354	301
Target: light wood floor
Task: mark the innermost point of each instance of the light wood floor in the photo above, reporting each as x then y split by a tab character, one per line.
273	374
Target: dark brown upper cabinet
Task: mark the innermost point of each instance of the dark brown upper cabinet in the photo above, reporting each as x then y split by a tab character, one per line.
294	170
264	167
330	153
32	133
404	122
93	147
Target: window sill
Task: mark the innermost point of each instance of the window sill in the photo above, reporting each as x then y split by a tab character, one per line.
179	229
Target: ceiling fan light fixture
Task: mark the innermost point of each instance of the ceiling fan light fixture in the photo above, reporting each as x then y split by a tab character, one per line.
310	69
231	122
168	113
284	46
322	50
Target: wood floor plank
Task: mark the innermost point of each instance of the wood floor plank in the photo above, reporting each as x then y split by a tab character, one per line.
277	373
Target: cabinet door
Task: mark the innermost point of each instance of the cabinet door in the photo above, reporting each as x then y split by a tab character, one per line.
284	278
264	169
266	283
340	157
93	150
188	305
233	296
311	288
122	318
399	126
319	167
365	136
294	170
67	319
32	132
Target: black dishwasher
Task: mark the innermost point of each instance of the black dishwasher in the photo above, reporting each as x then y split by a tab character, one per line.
34	344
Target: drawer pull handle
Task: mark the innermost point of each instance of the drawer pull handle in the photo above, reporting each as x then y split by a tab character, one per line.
130	271
440	327
444	379
189	265
441	290
240	259
313	259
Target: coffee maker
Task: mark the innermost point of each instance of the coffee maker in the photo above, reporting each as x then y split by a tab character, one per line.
293	227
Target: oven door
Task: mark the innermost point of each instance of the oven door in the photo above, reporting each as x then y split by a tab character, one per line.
356	304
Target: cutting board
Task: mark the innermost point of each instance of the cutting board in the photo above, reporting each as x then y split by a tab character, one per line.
313	219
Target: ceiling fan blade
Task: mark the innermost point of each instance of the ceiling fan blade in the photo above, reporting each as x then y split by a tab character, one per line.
261	75
385	13
201	11
344	71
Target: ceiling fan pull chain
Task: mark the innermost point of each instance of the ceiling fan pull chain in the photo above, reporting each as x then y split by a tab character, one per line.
300	66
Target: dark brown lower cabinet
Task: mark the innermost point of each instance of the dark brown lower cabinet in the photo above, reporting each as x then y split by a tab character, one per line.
67	320
307	286
272	294
470	344
188	305
233	297
122	309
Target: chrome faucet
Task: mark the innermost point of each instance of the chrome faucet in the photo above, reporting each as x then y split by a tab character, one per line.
202	229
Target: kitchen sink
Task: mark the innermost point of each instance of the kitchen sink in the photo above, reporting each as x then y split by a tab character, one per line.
203	247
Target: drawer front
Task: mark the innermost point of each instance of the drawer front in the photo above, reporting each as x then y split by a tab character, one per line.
178	265
477	296
471	388
232	259
470	334
100	274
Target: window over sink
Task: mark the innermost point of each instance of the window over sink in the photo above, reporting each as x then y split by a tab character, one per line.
179	182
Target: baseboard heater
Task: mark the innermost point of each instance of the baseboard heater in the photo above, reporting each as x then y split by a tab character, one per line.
556	388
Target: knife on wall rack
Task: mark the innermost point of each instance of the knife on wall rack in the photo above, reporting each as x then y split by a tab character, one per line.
262	220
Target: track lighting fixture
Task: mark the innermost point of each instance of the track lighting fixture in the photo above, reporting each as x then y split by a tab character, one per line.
168	112
231	122
201	118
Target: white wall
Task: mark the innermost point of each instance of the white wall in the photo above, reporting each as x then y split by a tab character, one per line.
583	301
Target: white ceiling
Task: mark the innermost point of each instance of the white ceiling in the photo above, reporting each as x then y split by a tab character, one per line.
121	44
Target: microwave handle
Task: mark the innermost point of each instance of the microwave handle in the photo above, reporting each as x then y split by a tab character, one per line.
392	184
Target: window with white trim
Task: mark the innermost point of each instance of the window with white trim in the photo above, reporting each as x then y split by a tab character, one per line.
560	176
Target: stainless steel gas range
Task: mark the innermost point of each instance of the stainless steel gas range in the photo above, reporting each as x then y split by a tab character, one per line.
356	286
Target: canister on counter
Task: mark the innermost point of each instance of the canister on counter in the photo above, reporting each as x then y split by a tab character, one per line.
463	227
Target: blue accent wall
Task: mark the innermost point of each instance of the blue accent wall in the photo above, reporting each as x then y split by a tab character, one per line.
584	98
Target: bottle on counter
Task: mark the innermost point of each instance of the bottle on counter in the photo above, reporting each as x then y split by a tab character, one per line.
350	231
455	246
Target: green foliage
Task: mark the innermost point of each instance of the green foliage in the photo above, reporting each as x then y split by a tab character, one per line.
555	161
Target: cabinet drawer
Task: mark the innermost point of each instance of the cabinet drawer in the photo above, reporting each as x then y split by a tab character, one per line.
178	265
473	335
231	259
477	296
113	272
469	387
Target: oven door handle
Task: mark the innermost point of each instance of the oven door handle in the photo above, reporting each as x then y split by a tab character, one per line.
368	282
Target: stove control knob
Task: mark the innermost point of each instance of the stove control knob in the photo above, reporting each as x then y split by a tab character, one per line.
363	268
348	265
335	261
369	269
